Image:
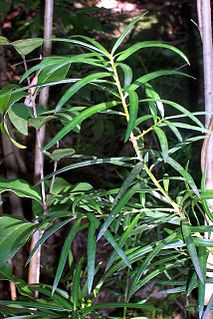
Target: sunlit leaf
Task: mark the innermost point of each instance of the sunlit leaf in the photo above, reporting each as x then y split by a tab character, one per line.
149	44
24	47
125	33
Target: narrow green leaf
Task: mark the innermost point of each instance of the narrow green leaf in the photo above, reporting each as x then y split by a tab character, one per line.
79	43
151	93
14	233
191	248
64	254
147	262
119	161
57	298
192	283
174	129
46	235
202	254
144	118
189	127
152	76
133	112
35	304
78	85
180	108
163	142
128	181
117	247
76	284
157	272
124	237
5	130
184	173
118	208
133	255
115	305
202	229
125	33
149	44
91	253
78	119
94	43
59	61
203	242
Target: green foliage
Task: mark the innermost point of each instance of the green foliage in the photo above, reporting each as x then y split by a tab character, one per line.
14	234
146	199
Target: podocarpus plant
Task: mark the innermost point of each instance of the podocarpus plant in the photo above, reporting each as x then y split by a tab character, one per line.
148	198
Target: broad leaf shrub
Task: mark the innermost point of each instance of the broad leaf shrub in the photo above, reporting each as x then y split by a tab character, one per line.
148	200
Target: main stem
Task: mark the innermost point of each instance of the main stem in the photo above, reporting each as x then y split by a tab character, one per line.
134	141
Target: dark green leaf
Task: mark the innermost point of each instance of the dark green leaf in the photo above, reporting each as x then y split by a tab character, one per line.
133	113
78	119
163	142
118	208
117	247
76	284
46	235
64	254
14	233
78	85
184	173
192	249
